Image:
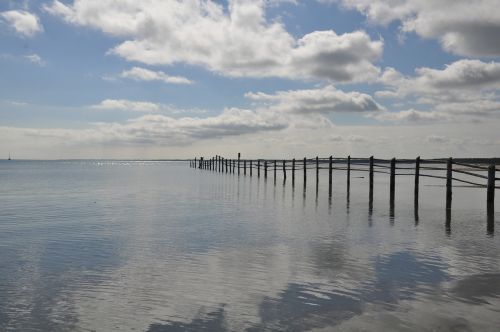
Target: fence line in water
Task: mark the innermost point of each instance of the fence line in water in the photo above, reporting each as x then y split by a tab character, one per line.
472	169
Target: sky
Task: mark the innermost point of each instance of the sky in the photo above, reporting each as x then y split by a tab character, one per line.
158	79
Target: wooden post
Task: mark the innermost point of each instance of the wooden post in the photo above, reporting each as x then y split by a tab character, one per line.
265	169
244	167
305	170
293	171
370	194
226	165
392	185
348	173
449	174
317	171
195	162
330	168
258	168
275	169
250	167
417	178
490	196
239	156
490	201
284	170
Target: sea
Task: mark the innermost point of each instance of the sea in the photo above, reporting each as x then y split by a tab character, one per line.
107	245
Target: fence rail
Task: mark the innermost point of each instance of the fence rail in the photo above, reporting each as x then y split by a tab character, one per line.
471	171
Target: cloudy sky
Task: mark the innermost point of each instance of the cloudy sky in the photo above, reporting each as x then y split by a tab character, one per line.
166	78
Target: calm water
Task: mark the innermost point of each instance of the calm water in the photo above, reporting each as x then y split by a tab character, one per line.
158	246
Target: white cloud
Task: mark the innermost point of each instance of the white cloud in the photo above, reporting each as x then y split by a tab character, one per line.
24	23
463	90
160	129
322	100
412	116
127	105
234	41
463	27
36	59
142	74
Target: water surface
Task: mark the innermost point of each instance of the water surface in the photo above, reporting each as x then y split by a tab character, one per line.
158	246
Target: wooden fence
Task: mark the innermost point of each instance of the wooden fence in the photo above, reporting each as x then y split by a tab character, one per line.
464	172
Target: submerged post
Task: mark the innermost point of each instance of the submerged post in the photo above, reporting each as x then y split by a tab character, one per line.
258	168
265	169
370	194
317	171
305	170
348	173
449	174
490	196
417	178
275	162
284	170
244	167
239	156
330	168
250	167
393	181
293	171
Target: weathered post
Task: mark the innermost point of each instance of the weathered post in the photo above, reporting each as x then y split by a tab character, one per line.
226	165
490	195
265	169
417	178
449	174
392	185
293	171
490	201
201	163
195	162
330	168
348	173
317	171
305	171
244	167
370	194
239	156
258	168
275	169
251	169
284	170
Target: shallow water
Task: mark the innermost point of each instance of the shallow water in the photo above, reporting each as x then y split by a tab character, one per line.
158	246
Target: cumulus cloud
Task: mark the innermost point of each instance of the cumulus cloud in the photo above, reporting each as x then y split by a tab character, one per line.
234	41
464	87
161	129
323	100
24	23
127	105
463	27
412	116
142	74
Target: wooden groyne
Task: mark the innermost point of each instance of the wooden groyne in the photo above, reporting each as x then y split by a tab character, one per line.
463	172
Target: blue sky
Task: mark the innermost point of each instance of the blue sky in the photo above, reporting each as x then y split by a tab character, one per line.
162	79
